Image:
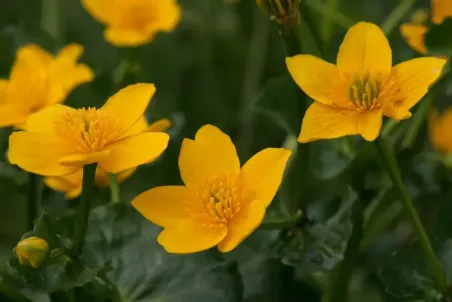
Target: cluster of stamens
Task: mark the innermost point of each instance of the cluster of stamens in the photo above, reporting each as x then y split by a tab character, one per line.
221	195
364	92
89	130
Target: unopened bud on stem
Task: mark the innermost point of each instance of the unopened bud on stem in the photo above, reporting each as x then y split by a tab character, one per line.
280	10
32	251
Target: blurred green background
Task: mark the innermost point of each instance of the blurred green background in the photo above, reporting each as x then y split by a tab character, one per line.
210	70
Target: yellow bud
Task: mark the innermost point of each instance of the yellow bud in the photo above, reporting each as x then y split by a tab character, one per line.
32	251
280	10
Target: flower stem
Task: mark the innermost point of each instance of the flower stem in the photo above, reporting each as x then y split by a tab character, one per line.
392	169
397	14
34	199
114	188
81	223
277	223
290	32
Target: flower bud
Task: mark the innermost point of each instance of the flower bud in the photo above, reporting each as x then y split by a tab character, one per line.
280	10
32	251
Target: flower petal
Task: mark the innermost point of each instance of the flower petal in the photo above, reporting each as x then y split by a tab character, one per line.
134	151
128	105
262	174
69	184
191	236
126	37
211	151
365	49
101	10
159	126
370	124
71	52
4	84
33	55
242	225
324	122
164	206
43	121
413	78
314	76
414	36
39	153
441	9
439	130
10	116
84	159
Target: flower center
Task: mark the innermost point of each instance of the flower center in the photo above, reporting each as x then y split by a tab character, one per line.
89	130
221	195
364	92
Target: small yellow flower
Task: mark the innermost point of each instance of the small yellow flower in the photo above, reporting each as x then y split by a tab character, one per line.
134	22
221	203
39	79
60	140
352	96
72	184
32	251
441	9
440	133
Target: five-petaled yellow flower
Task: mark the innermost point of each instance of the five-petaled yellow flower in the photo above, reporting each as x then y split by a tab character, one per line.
352	97
134	22
39	79
72	184
440	130
60	140
221	203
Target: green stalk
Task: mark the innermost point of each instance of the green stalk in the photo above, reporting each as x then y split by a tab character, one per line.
290	32
34	199
81	223
114	188
50	20
392	169
397	14
277	223
327	22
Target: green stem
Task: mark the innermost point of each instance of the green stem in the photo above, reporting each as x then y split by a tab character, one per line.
114	188
81	224
277	223
34	199
290	32
340	278
417	121
397	14
327	22
392	169
50	19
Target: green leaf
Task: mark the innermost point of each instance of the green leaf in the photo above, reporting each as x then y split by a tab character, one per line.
278	101
438	39
143	271
320	246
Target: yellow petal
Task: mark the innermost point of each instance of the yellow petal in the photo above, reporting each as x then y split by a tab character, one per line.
103	177
126	37
140	126
39	153
69	184
413	78
370	124
439	130
191	236
314	76
414	35
159	126
34	55
71	52
242	225
101	10
43	121
128	105
4	84
262	174
324	122
441	9
169	15
211	152
10	116
164	206
365	49
134	151
84	159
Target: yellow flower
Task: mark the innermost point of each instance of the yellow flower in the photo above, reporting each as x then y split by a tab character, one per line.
32	251
221	203
39	79
60	140
414	34
441	9
440	130
352	96
134	22
72	184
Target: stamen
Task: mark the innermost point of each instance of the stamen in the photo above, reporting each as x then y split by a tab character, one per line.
364	92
